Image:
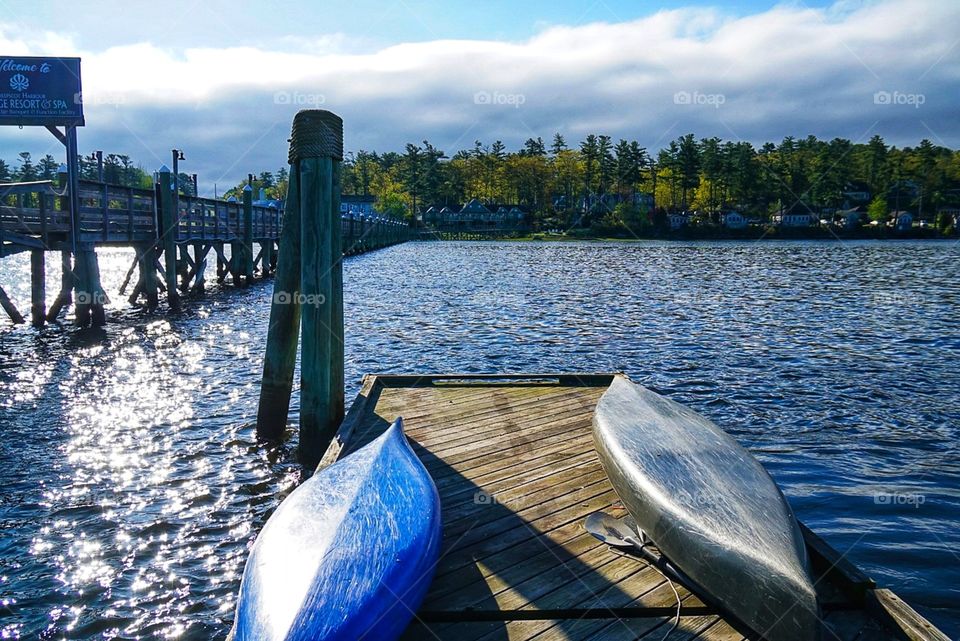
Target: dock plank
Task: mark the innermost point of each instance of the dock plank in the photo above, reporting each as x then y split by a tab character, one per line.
514	463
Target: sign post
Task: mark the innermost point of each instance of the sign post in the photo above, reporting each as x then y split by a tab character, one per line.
40	91
47	92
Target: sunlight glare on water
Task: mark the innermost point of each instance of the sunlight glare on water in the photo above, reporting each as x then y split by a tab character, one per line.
135	485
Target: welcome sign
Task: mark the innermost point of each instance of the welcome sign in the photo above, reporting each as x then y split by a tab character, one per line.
40	91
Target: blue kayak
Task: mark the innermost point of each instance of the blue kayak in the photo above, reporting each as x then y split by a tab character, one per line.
349	554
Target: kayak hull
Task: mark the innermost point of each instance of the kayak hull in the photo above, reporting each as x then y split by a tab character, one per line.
710	508
349	554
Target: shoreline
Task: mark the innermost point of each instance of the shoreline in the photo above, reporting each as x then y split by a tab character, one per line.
758	234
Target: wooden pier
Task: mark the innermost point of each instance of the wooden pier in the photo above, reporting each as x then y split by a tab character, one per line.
514	462
173	235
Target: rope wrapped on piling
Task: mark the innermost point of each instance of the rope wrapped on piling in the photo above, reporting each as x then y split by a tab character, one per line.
316	133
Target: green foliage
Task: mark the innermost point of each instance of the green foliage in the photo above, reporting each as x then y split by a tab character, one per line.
594	181
392	204
877	211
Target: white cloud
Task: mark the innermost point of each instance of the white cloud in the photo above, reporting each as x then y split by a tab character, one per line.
788	71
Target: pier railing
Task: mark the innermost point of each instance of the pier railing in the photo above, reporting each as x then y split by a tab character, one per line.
203	219
35	215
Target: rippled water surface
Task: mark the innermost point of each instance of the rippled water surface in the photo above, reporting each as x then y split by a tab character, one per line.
133	484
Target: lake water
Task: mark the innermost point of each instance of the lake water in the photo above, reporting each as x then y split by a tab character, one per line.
133	484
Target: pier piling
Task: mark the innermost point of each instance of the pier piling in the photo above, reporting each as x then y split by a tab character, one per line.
65	297
38	287
168	243
282	332
308	286
247	262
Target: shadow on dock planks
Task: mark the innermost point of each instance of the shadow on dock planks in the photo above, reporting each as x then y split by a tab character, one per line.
513	460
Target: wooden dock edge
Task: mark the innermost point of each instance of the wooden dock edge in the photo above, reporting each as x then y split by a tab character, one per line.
889	610
897	615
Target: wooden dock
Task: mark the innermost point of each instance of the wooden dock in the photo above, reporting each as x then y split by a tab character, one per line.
514	462
172	234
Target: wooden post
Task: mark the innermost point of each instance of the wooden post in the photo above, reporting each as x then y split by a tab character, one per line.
282	332
336	358
247	262
184	265
232	266
88	291
81	288
312	211
168	241
10	308
316	145
200	265
38	287
148	271
65	297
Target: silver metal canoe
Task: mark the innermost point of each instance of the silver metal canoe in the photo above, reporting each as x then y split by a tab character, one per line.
710	507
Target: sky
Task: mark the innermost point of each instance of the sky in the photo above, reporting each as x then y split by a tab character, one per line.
222	81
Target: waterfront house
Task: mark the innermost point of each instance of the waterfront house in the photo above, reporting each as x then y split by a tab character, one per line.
357	205
797	216
852	218
902	220
475	215
431	216
734	220
677	220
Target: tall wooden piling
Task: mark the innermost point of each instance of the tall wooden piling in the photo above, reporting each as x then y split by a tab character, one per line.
65	297
336	358
316	149
247	262
200	252
38	287
148	268
282	332
88	292
167	220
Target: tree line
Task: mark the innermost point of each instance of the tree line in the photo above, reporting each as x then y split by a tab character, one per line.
564	185
597	181
118	169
